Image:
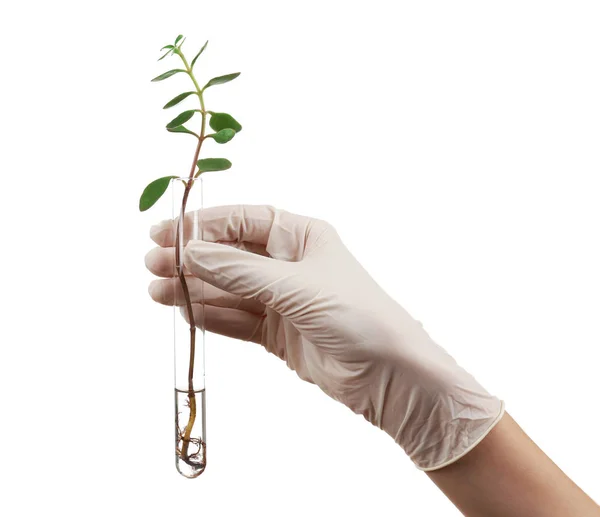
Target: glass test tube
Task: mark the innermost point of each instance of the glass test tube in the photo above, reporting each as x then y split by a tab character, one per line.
189	334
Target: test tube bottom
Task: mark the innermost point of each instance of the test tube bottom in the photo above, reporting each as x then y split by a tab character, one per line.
190	433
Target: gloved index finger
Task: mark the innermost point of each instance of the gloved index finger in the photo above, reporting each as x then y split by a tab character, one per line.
231	223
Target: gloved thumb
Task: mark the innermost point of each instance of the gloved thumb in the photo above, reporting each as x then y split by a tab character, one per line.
240	272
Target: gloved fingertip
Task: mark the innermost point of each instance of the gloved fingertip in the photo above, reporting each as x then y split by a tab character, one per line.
148	259
192	256
160	231
155	290
154	230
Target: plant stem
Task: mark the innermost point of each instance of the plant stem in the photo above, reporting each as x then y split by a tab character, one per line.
191	393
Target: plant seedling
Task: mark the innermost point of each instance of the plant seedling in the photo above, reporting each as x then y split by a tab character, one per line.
225	127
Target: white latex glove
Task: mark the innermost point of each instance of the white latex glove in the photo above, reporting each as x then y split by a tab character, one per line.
288	283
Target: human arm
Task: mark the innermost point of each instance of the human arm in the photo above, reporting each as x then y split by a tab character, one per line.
507	474
287	282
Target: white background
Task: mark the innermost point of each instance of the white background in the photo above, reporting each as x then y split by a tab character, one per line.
454	145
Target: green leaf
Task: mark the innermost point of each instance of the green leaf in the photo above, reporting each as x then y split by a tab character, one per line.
177	99
168	74
182	118
223	136
221	79
198	54
178	38
181	43
170	50
153	192
181	129
213	164
220	121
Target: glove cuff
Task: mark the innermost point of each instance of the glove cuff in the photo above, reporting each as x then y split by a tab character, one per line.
458	436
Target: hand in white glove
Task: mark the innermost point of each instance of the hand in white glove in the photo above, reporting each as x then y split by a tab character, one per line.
288	283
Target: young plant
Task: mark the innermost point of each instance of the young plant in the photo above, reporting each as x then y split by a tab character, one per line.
224	127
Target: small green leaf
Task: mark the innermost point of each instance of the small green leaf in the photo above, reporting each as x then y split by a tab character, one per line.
177	99
153	192
181	129
178	38
170	50
168	74
221	79
182	118
198	54
213	164
179	46
223	136
220	121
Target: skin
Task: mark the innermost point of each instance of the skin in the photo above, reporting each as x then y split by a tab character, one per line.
508	475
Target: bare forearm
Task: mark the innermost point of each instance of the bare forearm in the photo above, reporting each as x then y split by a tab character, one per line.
507	475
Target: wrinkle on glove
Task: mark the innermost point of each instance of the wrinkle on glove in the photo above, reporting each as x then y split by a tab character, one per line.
336	327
